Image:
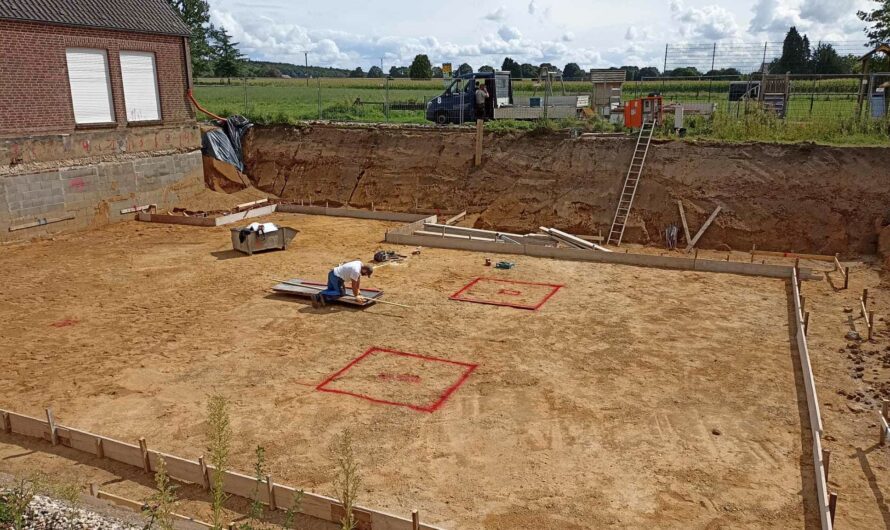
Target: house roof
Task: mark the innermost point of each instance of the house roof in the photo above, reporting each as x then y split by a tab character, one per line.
143	16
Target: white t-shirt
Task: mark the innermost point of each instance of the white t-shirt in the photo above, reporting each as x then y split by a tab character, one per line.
349	271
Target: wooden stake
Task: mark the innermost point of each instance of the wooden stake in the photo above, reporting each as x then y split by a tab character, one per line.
701	231
832	505
479	127
885	413
94	491
100	448
204	472
826	461
271	489
7	425
846	277
803	302
871	323
806	322
415	520
53	437
146	463
686	234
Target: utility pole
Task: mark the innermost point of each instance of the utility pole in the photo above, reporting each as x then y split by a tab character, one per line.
306	56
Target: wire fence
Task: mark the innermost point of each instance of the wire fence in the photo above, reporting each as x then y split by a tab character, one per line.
753	57
269	100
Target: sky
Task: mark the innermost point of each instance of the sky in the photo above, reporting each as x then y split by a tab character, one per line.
592	33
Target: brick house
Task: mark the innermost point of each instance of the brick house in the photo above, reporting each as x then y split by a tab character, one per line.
94	112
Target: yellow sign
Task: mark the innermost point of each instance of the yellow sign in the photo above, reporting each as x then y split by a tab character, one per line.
446	70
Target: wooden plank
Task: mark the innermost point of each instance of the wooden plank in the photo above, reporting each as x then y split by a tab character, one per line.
795	255
463	230
573	239
175	219
122	452
135	209
244	486
821	486
41	222
82	441
251	203
480	126
51	421
361	517
456	218
686	233
28	426
691	244
178	468
240	216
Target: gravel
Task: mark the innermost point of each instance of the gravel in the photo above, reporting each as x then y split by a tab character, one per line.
49	514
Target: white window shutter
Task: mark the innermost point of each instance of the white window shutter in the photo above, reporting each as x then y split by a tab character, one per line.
90	87
140	86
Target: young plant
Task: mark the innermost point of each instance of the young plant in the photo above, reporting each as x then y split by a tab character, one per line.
347	479
290	515
162	502
219	440
260	473
15	501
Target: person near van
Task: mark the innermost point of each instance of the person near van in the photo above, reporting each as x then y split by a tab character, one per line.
481	97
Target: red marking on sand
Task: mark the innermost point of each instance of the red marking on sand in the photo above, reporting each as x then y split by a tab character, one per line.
65	323
510	292
77	183
462	297
403	378
434	406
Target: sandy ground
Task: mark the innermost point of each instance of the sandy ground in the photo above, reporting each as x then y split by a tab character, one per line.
634	397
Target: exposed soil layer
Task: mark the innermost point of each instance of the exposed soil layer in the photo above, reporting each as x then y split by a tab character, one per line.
634	397
802	198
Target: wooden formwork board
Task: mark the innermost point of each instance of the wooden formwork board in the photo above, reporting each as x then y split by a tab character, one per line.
643	260
206	221
354	213
318	506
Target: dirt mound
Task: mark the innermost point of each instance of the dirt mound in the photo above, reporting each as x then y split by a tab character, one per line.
801	198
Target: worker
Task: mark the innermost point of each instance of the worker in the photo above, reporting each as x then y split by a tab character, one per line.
352	271
481	96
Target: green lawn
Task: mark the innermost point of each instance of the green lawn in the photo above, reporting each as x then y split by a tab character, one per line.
823	111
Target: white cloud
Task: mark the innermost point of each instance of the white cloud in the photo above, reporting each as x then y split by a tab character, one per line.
498	15
826	11
509	33
568	36
532	7
710	22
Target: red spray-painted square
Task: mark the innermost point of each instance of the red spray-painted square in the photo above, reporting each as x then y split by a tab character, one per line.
509	293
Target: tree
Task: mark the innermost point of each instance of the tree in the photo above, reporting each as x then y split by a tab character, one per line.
420	67
827	61
723	72
572	71
438	73
375	72
528	71
486	68
688	71
878	19
196	15
795	54
544	68
633	72
464	69
229	60
358	72
513	67
649	71
398	71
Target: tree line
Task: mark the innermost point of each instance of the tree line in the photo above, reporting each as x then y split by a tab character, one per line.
215	54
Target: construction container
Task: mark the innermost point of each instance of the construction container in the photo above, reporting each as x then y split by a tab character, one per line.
259	241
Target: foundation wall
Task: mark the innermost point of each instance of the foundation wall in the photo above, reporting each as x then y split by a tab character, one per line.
94	194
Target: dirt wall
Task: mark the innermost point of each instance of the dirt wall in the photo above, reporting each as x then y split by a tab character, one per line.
801	198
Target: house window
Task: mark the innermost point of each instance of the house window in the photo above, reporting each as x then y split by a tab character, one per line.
90	87
140	77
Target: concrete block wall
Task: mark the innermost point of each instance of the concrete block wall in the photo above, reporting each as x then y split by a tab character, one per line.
95	194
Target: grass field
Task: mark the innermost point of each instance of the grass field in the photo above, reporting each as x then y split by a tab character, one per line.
821	111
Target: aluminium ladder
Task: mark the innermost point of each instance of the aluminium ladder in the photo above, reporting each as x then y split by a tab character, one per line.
631	181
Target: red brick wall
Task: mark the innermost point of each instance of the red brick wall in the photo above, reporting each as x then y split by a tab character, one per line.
34	92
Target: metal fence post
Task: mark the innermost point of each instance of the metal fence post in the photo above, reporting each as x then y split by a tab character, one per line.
386	100
713	62
318	92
